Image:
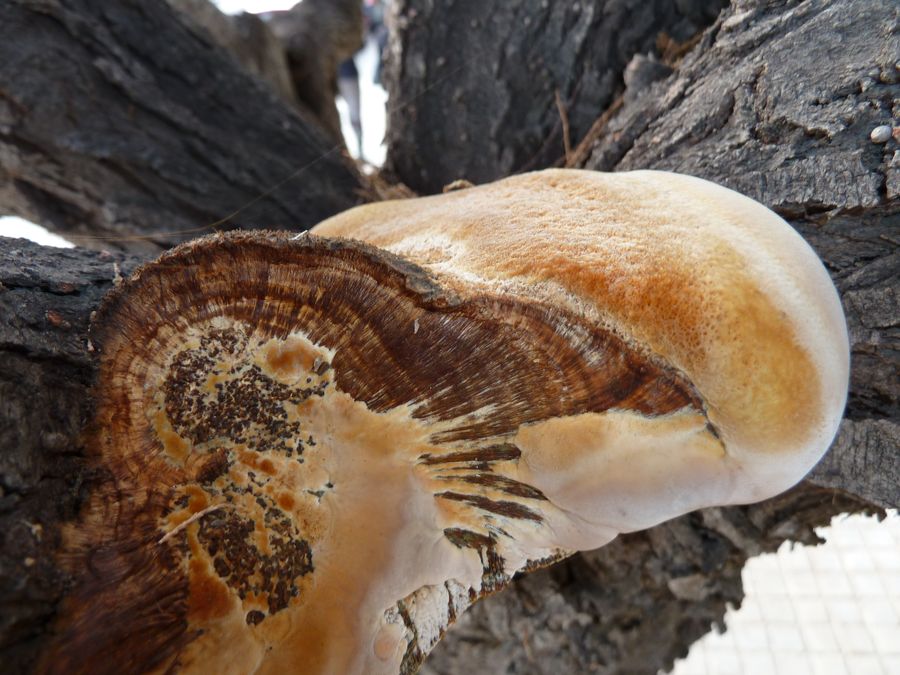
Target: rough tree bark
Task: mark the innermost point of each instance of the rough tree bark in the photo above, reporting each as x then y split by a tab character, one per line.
246	37
746	108
297	51
474	84
46	299
119	119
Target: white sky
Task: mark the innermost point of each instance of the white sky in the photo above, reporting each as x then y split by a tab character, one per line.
255	6
13	226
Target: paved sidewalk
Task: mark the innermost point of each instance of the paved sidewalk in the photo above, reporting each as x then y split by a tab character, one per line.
832	609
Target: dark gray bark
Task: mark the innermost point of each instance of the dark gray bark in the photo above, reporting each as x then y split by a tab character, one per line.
46	299
246	37
296	51
473	84
119	119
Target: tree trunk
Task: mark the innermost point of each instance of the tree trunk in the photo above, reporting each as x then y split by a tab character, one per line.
247	38
46	299
474	85
118	119
113	139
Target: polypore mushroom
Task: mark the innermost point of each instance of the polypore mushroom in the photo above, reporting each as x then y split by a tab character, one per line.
315	453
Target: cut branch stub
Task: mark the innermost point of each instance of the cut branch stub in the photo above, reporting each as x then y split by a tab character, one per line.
312	455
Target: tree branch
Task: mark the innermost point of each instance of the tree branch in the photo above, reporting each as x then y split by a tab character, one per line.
118	119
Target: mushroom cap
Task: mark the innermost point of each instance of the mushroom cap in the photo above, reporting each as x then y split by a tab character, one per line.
313	454
700	277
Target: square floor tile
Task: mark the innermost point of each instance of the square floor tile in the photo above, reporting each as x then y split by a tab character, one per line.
858	560
793	664
751	638
811	610
887	559
827	610
723	662
891	665
825	559
720	641
879	611
892	583
882	535
802	585
844	537
867	584
865	664
854	638
776	608
768	582
784	637
886	638
750	612
793	558
761	662
827	664
834	584
819	638
844	610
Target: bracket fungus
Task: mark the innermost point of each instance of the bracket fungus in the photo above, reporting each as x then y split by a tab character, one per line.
313	453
